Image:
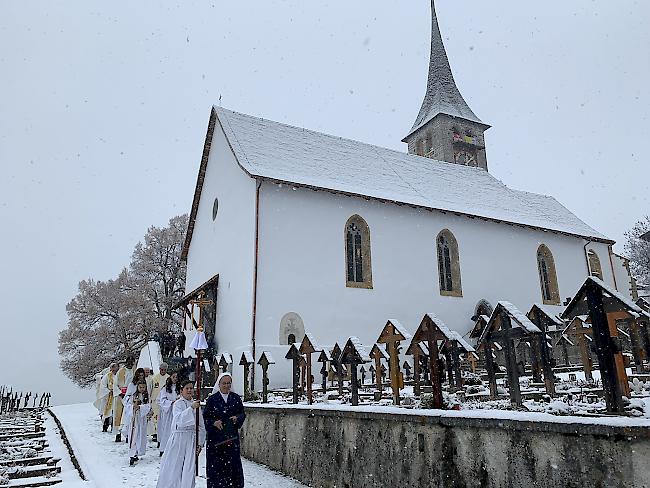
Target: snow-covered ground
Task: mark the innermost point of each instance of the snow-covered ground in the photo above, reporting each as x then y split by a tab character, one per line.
106	463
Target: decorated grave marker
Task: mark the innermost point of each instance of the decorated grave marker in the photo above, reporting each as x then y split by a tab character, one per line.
377	353
325	358
338	366
308	347
392	334
354	354
432	330
507	324
544	320
605	306
265	360
419	351
294	356
246	361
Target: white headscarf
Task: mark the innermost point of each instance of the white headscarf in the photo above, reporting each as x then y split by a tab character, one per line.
215	388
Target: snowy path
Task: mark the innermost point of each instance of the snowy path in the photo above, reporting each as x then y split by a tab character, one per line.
106	463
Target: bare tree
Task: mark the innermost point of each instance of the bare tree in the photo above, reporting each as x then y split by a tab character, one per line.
638	250
160	272
109	320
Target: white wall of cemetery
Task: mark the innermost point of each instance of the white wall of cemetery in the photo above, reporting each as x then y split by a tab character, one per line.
226	246
302	267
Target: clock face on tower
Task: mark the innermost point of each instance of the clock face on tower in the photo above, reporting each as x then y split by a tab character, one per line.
463	156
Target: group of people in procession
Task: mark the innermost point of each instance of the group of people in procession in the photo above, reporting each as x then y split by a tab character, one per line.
137	405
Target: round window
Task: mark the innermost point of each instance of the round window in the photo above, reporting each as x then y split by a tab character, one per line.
215	208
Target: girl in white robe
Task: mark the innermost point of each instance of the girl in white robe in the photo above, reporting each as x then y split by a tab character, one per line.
168	395
140	414
178	466
126	401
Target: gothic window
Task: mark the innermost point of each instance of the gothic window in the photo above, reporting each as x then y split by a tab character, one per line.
448	264
292	329
358	268
594	264
547	276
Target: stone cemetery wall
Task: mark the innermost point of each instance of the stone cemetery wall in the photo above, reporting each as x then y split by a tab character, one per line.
364	448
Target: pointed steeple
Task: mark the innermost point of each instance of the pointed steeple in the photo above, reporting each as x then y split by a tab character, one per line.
442	95
443	98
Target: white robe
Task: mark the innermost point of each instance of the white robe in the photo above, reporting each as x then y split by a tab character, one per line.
138	427
128	410
165	403
178	463
104	394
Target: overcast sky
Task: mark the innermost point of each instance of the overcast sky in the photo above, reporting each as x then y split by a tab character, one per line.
104	108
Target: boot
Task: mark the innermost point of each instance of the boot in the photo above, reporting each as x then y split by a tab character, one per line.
105	426
133	460
118	437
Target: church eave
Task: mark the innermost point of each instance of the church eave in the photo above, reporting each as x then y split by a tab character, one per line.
199	184
417	129
433	209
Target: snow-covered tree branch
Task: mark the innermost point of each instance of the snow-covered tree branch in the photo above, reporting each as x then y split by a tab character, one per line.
638	251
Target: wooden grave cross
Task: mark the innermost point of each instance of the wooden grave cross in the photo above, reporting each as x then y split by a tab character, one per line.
392	334
581	330
338	366
500	328
362	370
543	321
353	355
264	361
417	350
378	353
407	369
325	358
307	347
246	361
431	331
372	372
294	355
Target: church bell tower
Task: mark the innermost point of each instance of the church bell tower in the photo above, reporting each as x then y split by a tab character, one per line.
446	129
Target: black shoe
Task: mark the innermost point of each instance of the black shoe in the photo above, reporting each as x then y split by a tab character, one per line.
118	437
133	460
154	438
161	453
105	426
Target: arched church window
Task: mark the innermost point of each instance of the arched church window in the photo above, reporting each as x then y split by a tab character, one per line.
448	264
292	329
594	264
547	276
358	266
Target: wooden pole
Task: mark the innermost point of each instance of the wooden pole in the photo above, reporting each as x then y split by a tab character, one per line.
491	370
434	376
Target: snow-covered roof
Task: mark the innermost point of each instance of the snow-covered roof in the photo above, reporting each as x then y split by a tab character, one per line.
268	356
381	349
579	299
300	157
462	342
519	317
361	349
401	329
551	311
248	356
313	341
442	95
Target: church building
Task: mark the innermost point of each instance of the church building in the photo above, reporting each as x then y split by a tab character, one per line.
294	231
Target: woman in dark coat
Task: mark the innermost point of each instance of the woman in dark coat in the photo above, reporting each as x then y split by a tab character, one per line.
224	415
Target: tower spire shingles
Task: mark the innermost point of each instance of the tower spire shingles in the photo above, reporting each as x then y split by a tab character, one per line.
445	120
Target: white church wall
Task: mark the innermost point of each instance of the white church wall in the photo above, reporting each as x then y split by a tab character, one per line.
226	246
623	279
302	265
